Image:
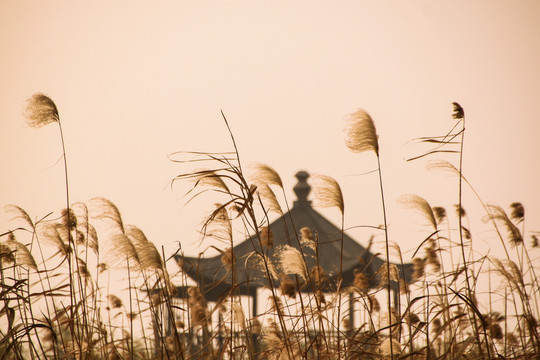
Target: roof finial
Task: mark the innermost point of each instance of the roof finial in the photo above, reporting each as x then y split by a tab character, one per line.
302	189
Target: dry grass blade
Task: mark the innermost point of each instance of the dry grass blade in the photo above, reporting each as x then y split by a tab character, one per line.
40	111
360	133
327	192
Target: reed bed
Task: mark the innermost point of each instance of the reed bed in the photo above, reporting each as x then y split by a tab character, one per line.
81	284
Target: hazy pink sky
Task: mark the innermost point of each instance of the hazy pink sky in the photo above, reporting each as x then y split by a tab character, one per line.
135	81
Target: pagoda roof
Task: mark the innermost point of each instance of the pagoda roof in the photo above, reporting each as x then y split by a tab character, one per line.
215	278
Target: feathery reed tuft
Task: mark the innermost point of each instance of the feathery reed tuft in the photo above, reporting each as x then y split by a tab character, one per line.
19	253
147	253
291	261
418	203
227	258
418	268
361	281
287	286
104	209
431	256
268	199
114	301
19	213
514	235
327	192
218	225
360	133
40	111
458	113
267	237
518	212
318	275
264	174
440	214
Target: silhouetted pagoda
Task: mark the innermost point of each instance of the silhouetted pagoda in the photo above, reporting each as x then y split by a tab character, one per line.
214	278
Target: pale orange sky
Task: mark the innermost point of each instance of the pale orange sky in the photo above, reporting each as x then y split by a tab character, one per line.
135	81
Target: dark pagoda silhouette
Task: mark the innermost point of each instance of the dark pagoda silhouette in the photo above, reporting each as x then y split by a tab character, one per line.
214	278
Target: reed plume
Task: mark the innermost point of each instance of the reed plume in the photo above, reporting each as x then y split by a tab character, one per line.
360	133
268	199
327	192
514	235
147	252
104	209
264	174
418	203
440	214
267	237
291	261
40	111
18	253
19	213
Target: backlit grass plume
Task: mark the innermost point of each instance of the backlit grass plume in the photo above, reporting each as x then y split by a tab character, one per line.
514	235
291	261
18	253
327	192
262	173
418	203
40	111
360	133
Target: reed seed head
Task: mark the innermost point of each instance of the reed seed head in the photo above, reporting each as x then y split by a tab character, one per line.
374	303
227	258
263	173
268	199
18	253
40	111
514	235
287	287
458	113
518	212
267	237
307	239
360	133
255	326
418	268
440	214
318	274
327	192
431	256
291	261
114	301
198	315
418	203
361	281
412	318
534	242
